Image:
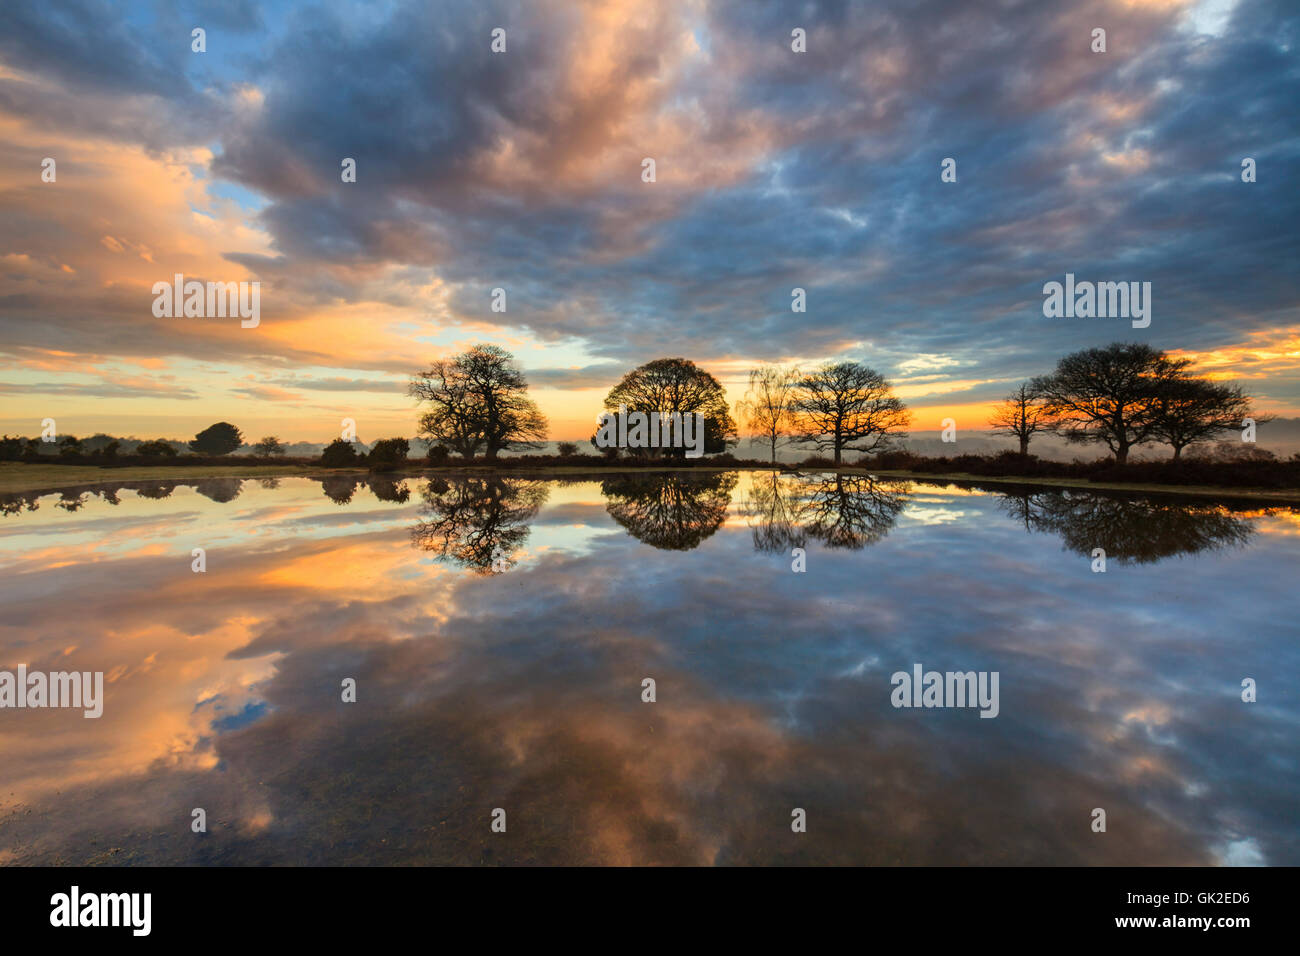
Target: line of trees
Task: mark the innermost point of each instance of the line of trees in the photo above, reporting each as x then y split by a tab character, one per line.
836	408
478	401
1123	395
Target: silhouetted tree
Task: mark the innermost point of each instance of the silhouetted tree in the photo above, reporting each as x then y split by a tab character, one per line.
768	408
1196	410
388	453
845	406
675	387
219	439
479	399
1020	415
339	454
268	446
1109	395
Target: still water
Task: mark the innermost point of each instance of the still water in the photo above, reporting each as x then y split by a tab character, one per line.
499	631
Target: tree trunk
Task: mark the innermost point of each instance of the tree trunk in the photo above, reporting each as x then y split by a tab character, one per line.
1178	452
1024	446
1121	455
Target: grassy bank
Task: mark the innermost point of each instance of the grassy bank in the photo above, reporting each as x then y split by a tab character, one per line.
22	477
1083	484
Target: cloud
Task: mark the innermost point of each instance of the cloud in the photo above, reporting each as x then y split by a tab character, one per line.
101	390
775	170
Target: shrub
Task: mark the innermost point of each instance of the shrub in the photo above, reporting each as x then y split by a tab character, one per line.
388	454
339	454
155	449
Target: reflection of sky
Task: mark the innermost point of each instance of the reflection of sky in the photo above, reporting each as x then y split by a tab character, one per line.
522	690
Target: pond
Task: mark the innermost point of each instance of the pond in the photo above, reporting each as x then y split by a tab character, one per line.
499	636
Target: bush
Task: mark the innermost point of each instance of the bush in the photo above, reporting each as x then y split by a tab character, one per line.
438	454
11	449
155	449
339	454
388	454
567	449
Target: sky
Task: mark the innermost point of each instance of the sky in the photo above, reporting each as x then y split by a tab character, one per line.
522	170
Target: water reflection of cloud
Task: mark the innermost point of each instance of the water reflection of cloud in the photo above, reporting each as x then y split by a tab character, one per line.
523	690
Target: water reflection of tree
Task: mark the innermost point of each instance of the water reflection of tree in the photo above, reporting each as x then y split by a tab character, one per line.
76	498
18	503
851	511
840	511
72	500
389	489
1129	530
674	512
339	488
466	520
220	490
772	508
155	489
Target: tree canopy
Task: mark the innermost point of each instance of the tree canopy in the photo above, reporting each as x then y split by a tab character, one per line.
673	386
219	439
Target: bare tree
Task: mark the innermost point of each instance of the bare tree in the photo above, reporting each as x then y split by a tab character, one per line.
1020	415
767	409
845	406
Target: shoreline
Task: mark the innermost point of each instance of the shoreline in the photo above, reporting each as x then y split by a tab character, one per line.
25	478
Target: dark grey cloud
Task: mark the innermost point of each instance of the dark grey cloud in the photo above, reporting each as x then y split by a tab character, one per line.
1123	165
